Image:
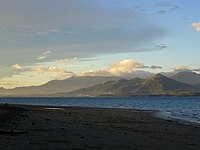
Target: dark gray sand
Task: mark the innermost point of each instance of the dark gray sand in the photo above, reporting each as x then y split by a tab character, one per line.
74	128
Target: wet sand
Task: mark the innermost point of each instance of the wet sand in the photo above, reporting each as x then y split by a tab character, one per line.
74	128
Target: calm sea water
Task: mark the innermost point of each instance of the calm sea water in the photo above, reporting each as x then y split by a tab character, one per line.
181	108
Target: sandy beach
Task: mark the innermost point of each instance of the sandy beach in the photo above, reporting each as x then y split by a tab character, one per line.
62	128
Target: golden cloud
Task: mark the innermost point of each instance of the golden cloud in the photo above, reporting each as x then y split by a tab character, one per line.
196	26
117	69
17	66
58	71
124	66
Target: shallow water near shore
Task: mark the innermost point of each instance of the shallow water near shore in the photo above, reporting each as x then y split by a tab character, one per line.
185	109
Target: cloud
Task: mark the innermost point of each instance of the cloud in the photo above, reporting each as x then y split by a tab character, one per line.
44	55
116	69
17	66
155	67
59	72
177	69
99	28
127	67
56	72
165	7
52	69
38	74
41	33
161	46
67	60
160	8
196	26
20	70
8	72
182	69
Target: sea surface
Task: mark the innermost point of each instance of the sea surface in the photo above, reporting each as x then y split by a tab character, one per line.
185	109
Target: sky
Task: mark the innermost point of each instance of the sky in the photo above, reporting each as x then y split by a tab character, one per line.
44	40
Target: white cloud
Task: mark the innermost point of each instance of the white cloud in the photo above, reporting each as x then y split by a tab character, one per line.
182	69
196	26
56	72
44	69
44	55
121	68
59	73
67	60
125	66
178	69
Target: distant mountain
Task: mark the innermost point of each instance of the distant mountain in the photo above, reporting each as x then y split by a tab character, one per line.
55	86
108	86
120	87
162	84
2	89
187	77
156	85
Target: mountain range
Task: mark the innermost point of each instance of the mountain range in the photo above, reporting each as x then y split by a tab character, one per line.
55	86
187	77
183	83
156	85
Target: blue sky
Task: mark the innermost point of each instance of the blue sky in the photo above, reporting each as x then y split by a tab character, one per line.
42	40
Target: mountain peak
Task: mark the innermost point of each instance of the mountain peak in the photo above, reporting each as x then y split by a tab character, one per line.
158	76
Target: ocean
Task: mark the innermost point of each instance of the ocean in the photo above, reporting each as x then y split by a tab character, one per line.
185	109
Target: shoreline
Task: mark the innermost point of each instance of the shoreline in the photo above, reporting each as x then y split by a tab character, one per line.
156	113
63	97
55	127
177	120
